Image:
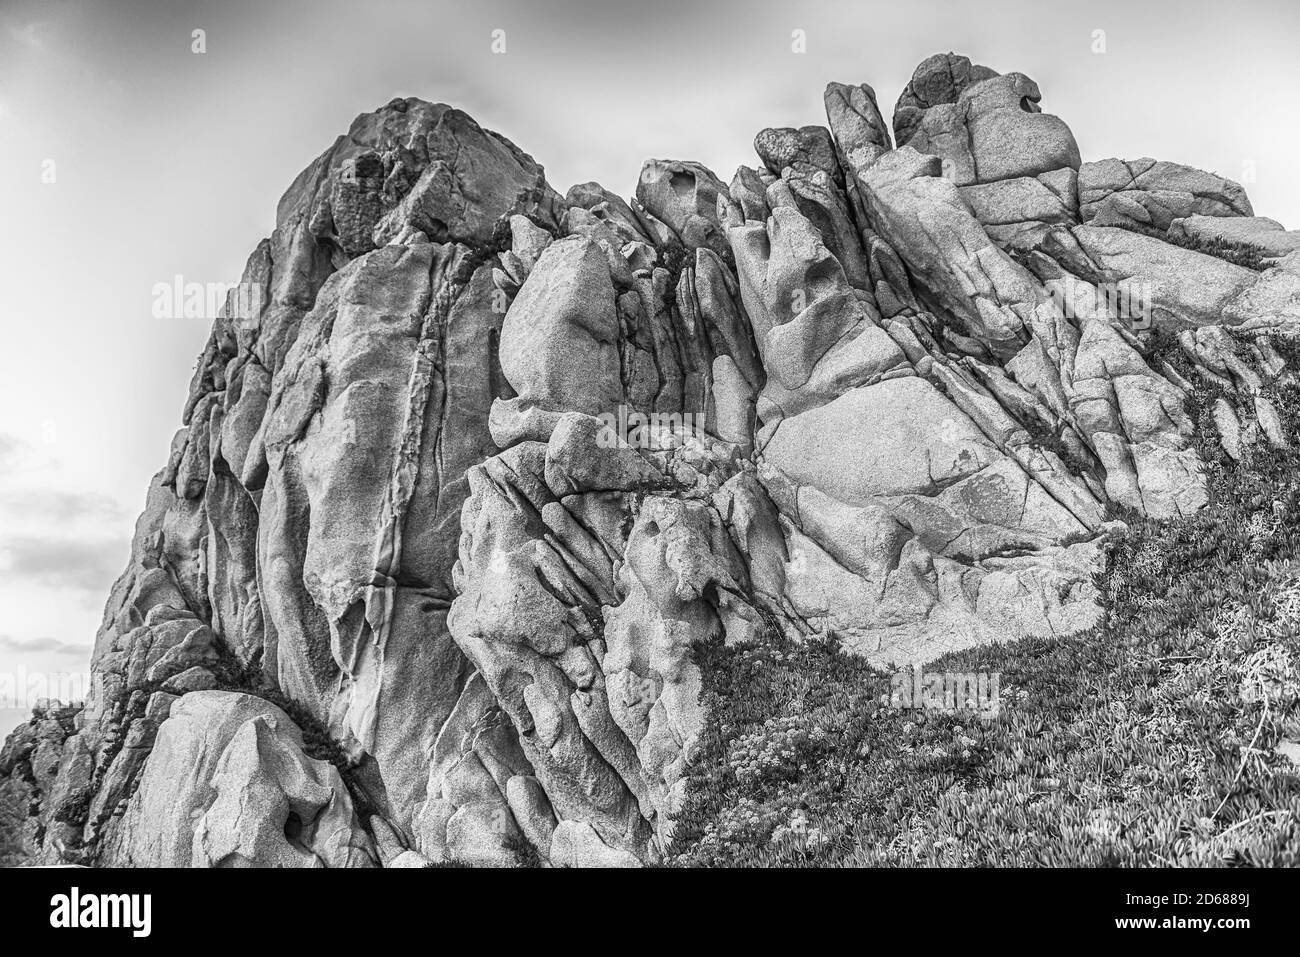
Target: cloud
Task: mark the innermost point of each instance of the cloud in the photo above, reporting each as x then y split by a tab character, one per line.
90	566
69	540
64	508
12	646
12	450
20	457
28	36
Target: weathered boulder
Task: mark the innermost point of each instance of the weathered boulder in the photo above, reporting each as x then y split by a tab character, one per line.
948	251
1264	235
1047	198
982	126
471	178
937	80
683	197
809	147
561	336
228	785
1152	272
1152	194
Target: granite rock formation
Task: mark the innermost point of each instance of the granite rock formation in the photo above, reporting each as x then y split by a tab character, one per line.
454	501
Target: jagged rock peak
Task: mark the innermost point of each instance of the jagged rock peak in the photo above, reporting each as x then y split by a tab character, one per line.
937	80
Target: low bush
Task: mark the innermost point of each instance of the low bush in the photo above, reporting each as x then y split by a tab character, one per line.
1166	736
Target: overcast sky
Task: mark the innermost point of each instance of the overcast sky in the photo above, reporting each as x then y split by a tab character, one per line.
126	159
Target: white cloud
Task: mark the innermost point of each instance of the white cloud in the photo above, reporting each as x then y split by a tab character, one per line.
29	36
76	564
64	509
12	645
12	449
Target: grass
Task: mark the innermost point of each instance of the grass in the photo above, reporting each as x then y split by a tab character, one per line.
1148	741
1239	254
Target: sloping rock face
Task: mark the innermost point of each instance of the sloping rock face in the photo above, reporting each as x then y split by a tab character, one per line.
227	785
484	463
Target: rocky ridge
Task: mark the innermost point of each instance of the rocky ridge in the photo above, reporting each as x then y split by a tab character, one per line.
454	502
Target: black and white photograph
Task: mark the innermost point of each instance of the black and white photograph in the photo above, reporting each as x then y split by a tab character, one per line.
656	437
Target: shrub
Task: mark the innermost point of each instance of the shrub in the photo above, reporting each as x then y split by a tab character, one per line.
1239	254
1148	741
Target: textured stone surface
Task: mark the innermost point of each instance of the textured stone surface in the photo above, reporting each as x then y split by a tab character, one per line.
983	127
1148	193
228	785
1157	271
1258	232
486	463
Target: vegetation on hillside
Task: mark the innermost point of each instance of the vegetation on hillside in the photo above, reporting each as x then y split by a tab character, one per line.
1166	736
1237	253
